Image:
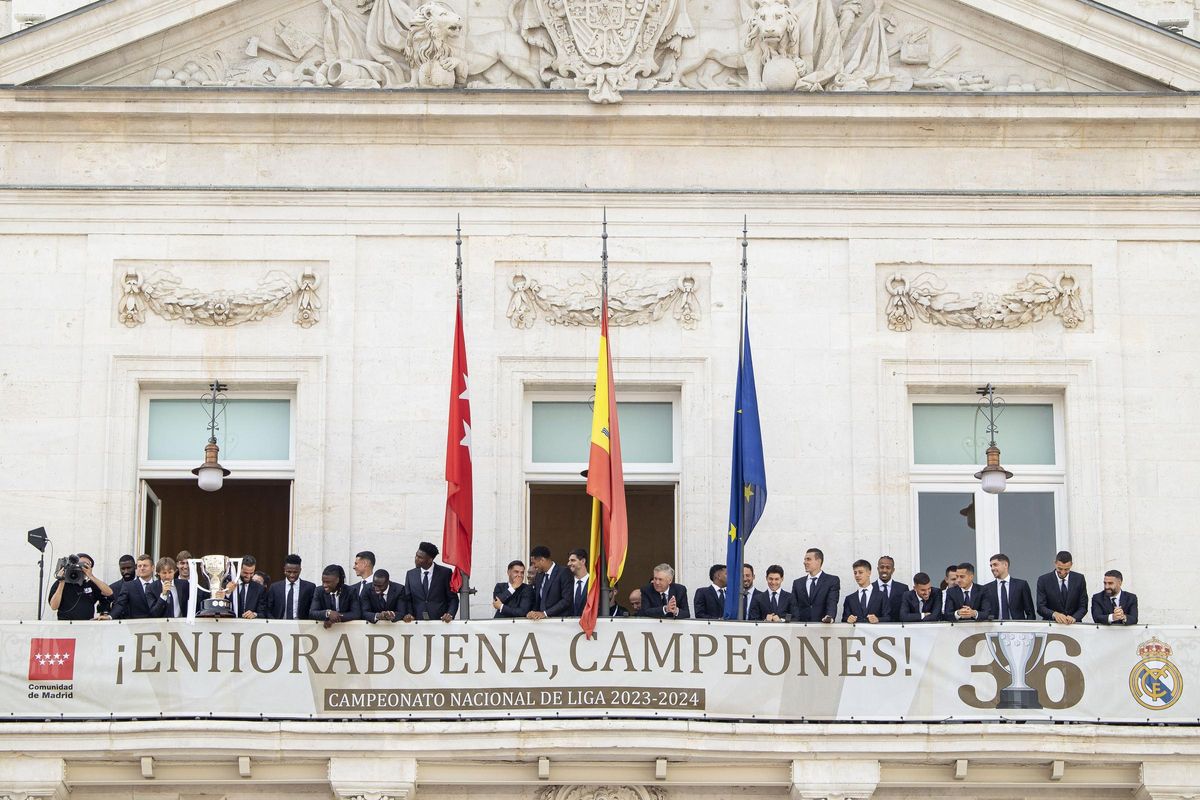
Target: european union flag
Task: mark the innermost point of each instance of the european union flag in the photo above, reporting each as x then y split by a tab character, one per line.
748	478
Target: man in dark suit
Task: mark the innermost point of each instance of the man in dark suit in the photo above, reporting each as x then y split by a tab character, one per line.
816	594
709	602
775	604
248	595
292	597
1114	606
364	568
134	599
514	599
1062	594
1006	597
662	597
892	591
334	602
865	603
748	591
385	602
922	603
577	565
169	594
427	587
553	586
964	600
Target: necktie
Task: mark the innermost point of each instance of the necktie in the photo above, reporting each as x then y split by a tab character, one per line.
1062	590
774	602
862	600
721	597
884	588
578	597
291	599
425	583
746	603
242	599
812	582
664	597
966	597
171	605
146	591
1005	612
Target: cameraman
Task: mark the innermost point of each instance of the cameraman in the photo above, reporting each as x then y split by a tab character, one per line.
78	602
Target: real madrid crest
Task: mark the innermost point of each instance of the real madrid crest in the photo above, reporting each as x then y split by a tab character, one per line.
1154	681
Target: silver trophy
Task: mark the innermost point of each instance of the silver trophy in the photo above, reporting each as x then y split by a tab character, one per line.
1018	654
215	568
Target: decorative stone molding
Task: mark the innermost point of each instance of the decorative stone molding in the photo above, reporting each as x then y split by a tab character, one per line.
834	779
373	778
630	301
925	298
604	46
164	294
24	778
601	793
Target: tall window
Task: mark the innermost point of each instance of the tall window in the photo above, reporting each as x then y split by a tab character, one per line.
557	448
956	520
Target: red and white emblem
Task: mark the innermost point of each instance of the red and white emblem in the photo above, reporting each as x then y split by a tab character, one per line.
51	659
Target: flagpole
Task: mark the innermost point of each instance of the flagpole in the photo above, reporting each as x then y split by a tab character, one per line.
605	599
741	529
464	591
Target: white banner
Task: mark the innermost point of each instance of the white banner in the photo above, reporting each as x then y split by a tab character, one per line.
633	668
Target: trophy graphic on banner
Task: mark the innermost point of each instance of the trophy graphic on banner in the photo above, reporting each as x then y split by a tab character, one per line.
1018	654
215	569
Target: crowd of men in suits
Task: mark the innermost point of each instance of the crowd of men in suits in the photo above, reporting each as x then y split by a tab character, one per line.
546	589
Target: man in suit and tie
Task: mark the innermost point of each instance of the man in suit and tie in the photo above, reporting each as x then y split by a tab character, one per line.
662	597
134	599
577	565
553	586
291	597
892	591
748	591
709	602
248	595
775	604
168	595
515	599
334	602
427	587
965	599
1006	597
816	594
1062	594
364	568
385	602
1114	606
922	603
865	603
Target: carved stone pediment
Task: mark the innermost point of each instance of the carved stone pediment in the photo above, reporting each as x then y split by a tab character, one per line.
606	46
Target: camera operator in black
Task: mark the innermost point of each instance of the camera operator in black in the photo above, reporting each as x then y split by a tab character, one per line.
78	601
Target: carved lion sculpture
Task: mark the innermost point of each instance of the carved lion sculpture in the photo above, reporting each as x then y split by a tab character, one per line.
771	32
436	50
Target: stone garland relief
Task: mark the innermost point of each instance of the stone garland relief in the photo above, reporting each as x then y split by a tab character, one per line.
163	293
601	793
577	302
605	46
925	298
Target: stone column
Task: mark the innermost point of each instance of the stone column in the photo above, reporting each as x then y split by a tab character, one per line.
24	778
834	779
1163	780
382	778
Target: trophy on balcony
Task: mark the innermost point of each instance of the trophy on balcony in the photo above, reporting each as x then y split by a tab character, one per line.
216	569
1018	654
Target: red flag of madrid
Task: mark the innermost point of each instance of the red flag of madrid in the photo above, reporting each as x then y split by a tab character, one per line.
51	659
456	534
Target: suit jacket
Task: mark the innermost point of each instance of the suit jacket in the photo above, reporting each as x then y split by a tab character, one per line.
371	603
875	605
162	608
617	611
824	601
1049	598
749	600
346	604
955	599
553	591
1102	606
707	604
131	601
1020	600
912	607
440	599
652	602
896	591
277	598
256	598
760	607
514	604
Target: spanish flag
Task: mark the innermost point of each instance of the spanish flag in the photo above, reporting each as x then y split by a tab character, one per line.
605	483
